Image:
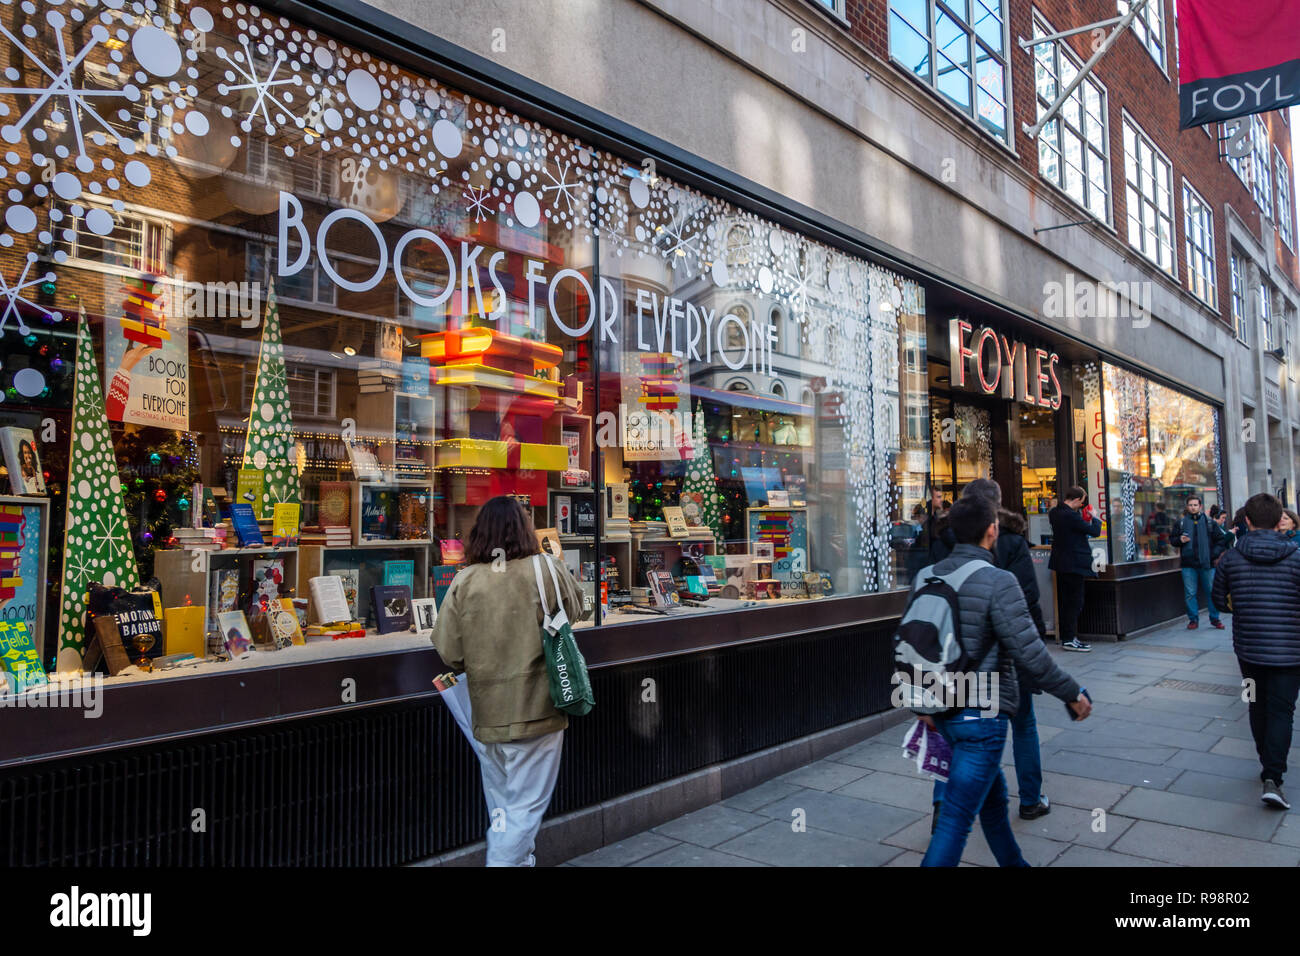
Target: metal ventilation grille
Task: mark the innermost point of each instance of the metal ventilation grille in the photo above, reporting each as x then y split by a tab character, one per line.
399	783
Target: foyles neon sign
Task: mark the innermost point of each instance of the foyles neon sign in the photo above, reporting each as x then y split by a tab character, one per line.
986	360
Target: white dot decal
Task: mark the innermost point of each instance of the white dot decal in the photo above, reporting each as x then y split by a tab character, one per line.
363	90
156	51
67	186
29	382
527	211
87	442
259	459
83	488
446	138
324	59
765	279
20	219
196	123
201	19
267	411
639	193
99	222
720	276
137	174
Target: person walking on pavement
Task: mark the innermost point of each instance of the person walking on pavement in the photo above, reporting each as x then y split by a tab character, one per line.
1073	523
1198	536
1229	536
998	633
489	625
1258	583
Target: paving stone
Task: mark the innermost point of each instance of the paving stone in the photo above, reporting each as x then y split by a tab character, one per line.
1151	735
1090	856
1215	763
684	854
1188	847
710	826
876	755
825	774
1106	745
776	844
626	852
1039	851
1215	786
1238	729
1158	698
1074	791
1244	747
1147	717
1114	769
913	792
761	795
1199	813
1288	832
840	814
1071	825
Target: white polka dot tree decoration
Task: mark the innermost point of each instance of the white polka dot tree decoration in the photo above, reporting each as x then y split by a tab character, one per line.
700	477
97	536
269	441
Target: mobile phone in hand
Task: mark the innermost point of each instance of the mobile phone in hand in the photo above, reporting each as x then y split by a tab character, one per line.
1083	691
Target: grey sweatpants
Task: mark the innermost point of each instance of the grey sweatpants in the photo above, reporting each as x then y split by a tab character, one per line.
518	780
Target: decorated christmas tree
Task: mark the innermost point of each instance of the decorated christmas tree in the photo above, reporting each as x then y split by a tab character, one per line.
269	441
96	536
701	485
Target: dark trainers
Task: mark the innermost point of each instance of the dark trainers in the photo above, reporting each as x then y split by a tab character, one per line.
1217	624
1273	796
1039	809
1193	625
1076	645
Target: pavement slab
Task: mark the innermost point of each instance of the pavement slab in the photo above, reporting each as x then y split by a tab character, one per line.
1158	776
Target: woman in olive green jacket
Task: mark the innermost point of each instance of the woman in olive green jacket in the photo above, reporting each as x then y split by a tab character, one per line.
489	625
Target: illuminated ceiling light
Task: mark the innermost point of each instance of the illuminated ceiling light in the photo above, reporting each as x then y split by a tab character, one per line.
349	350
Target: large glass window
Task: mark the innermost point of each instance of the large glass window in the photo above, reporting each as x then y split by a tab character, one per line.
1253	169
1072	147
293	336
1236	272
1149	27
959	49
1149	198
1284	227
1161	448
1198	231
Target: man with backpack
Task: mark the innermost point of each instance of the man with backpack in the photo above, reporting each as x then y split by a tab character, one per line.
1258	582
987	633
1198	539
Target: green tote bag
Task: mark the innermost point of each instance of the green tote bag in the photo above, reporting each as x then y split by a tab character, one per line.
565	668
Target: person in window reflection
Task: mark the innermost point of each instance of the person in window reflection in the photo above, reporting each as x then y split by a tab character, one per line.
489	626
1158	528
936	539
1073	523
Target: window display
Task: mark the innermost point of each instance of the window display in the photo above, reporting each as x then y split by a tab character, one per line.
272	343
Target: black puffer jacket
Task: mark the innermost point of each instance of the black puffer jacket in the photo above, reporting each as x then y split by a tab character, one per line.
996	630
1261	578
1071	549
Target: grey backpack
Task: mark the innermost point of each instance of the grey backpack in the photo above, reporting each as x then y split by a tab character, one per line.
928	653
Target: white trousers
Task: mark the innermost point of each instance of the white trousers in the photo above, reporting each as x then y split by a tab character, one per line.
518	780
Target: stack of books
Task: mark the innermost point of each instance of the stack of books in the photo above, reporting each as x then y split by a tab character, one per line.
201	539
617	529
374	375
649	529
330	537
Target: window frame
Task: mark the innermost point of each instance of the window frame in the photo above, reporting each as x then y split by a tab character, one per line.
1142	22
1284	217
153	232
1140	135
1210	276
1237	298
934	8
1061	51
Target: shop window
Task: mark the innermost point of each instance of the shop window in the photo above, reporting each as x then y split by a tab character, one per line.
1198	230
1149	28
1072	148
959	49
311	390
1149	200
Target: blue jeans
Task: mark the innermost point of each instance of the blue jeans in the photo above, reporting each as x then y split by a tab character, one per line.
1029	759
975	787
1194	581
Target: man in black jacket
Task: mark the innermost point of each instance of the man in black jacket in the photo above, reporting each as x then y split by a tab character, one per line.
1258	583
998	634
1072	525
1198	537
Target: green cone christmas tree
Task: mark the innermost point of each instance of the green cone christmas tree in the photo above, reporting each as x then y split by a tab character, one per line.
97	535
700	479
269	441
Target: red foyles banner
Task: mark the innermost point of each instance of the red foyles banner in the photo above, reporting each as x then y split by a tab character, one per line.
1236	58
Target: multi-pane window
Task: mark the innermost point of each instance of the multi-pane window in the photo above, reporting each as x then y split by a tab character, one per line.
1238	279
1253	169
1266	318
959	48
1072	152
1149	27
311	389
1149	198
309	285
1198	230
1284	227
303	172
117	240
